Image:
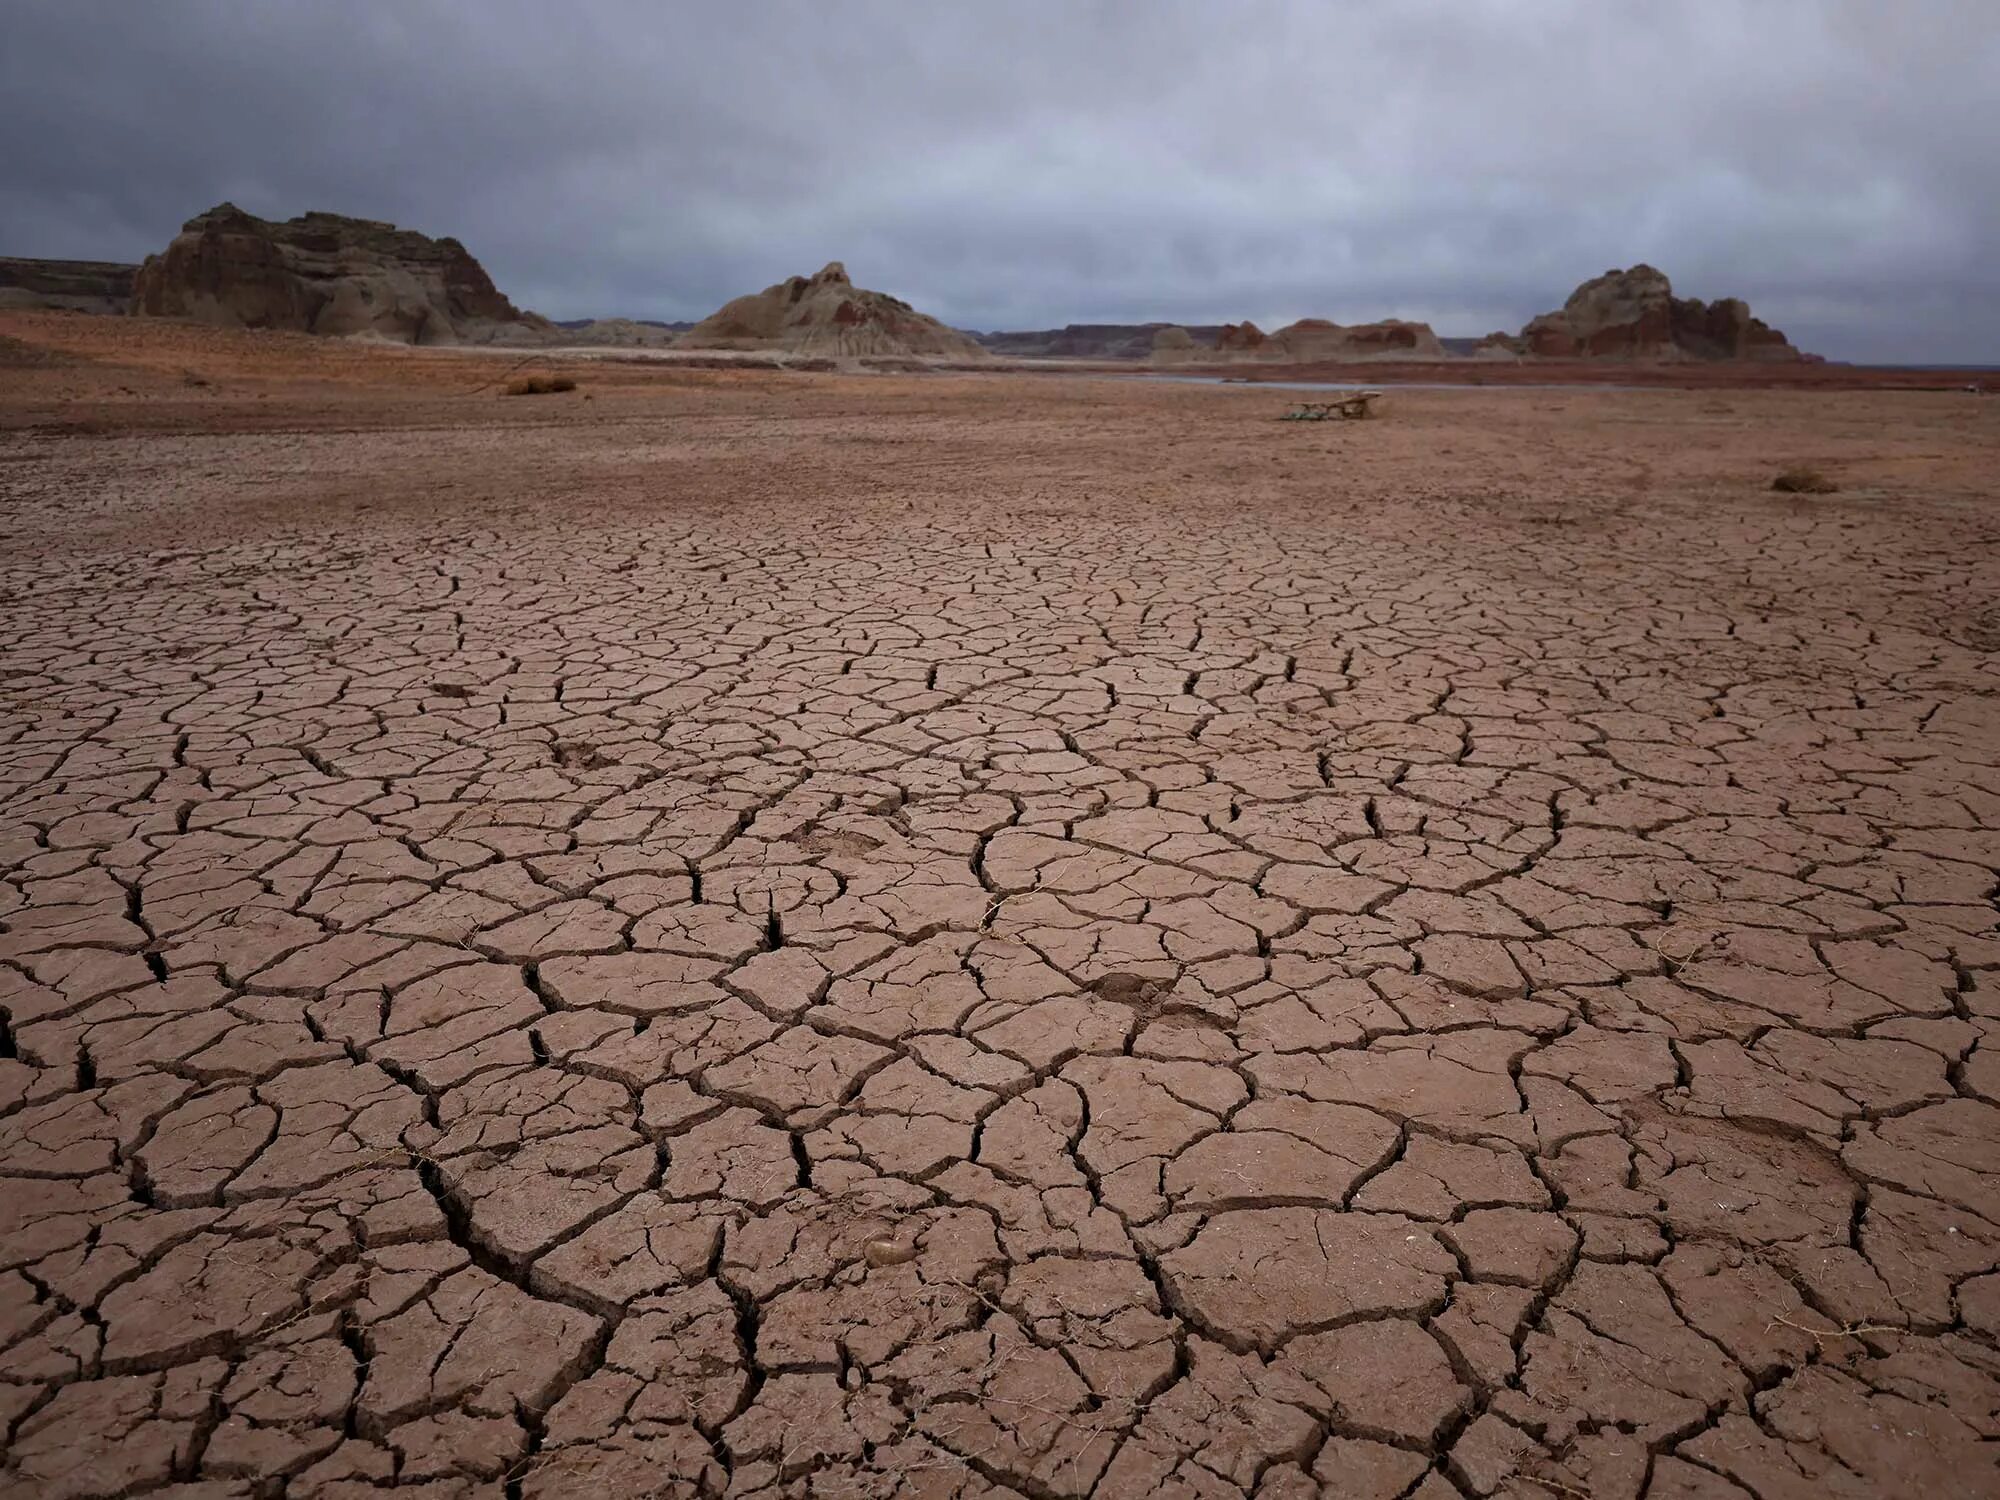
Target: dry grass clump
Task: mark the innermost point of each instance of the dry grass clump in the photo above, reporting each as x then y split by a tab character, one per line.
539	385
1803	479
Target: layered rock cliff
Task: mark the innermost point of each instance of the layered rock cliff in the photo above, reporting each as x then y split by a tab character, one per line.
1634	314
327	274
92	286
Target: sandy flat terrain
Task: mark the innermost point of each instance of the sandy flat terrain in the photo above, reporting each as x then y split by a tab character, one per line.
752	934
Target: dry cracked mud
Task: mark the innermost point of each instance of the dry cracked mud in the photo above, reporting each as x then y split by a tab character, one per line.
975	938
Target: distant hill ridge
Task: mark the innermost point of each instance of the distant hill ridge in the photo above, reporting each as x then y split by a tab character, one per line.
94	286
329	274
1090	340
576	323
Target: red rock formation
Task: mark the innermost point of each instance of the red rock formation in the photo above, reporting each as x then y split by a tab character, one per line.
1635	315
327	274
1241	338
1726	327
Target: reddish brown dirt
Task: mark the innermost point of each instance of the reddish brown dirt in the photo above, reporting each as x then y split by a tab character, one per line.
881	936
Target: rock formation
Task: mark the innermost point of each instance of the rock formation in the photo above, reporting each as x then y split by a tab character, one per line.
1315	339
1244	338
1635	315
327	274
827	314
92	286
1175	346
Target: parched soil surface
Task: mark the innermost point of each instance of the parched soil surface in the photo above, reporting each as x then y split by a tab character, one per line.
973	936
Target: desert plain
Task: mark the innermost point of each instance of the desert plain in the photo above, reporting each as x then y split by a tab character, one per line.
734	932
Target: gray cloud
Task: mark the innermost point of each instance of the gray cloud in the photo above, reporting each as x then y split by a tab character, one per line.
1020	165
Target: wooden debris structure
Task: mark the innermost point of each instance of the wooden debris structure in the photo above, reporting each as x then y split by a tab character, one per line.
1352	407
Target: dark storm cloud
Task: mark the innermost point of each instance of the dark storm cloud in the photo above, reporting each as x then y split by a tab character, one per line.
1028	164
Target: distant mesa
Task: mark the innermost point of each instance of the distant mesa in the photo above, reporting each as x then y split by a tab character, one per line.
1315	340
1635	315
620	333
572	325
327	274
92	286
1089	340
1093	340
827	314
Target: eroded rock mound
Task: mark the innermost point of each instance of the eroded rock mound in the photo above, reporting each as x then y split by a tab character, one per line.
92	286
827	314
327	274
1243	338
1635	315
1172	346
1316	339
1499	344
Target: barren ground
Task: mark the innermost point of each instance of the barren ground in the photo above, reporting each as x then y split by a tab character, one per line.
853	936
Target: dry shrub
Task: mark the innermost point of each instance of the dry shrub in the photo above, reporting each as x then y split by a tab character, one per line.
1803	479
539	385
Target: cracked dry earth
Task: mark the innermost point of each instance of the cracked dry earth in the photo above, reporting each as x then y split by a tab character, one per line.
891	938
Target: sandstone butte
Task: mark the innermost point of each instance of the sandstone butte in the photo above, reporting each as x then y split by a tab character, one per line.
327	274
827	314
1635	315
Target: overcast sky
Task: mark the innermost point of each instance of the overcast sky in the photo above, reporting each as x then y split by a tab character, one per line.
1022	164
